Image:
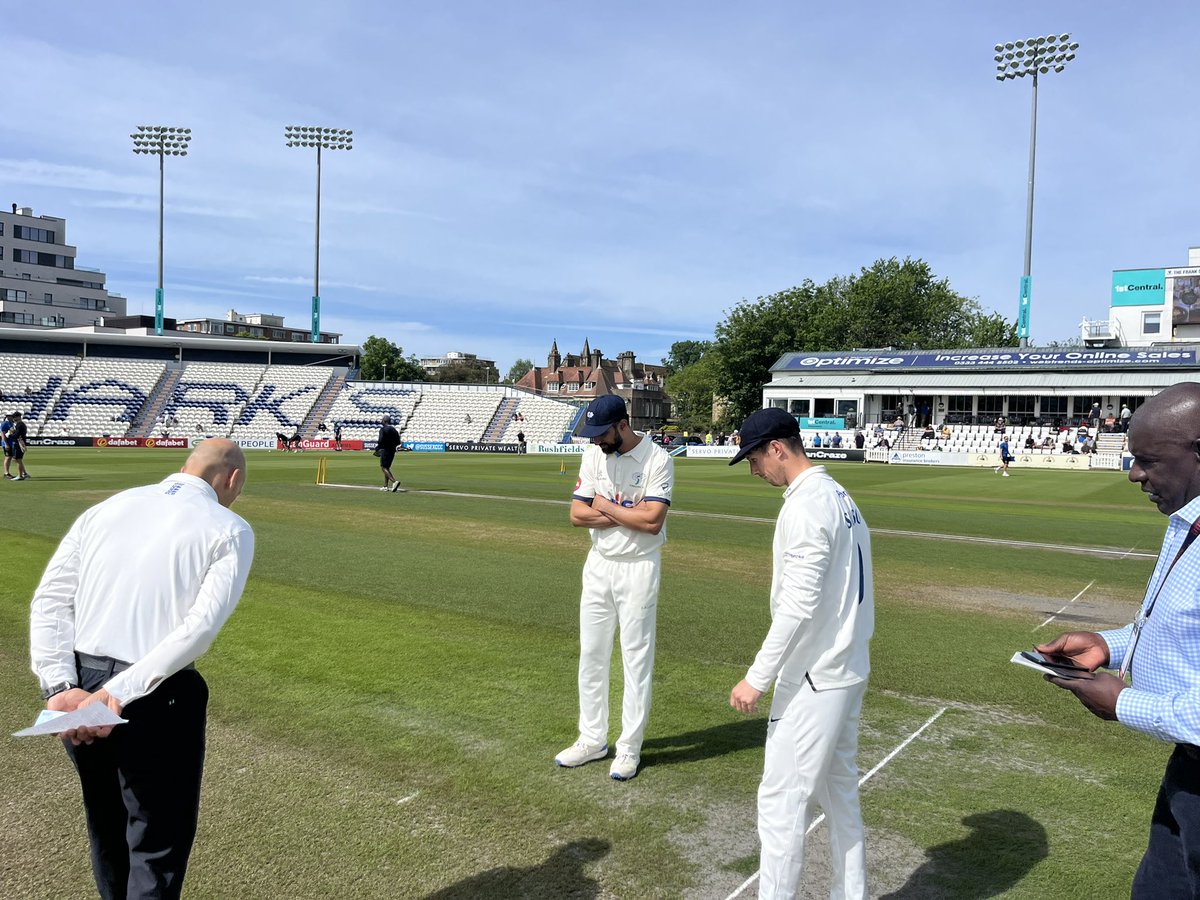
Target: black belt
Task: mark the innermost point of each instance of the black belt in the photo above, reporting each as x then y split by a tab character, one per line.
107	664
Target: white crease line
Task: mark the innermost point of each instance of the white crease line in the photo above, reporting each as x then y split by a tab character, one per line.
883	762
1060	612
764	520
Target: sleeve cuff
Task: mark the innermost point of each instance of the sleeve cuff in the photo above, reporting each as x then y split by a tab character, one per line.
1142	711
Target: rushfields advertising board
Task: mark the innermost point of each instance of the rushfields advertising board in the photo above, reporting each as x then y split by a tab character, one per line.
574	449
883	361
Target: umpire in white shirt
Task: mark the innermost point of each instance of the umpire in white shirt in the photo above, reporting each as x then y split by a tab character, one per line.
816	654
138	588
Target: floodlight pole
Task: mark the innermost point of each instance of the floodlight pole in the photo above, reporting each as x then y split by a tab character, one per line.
1016	59
316	298
161	141
328	139
1027	274
158	293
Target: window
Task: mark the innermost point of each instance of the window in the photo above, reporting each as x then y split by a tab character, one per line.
799	406
1	248
25	233
15	296
1020	405
1053	406
572	386
47	298
1151	323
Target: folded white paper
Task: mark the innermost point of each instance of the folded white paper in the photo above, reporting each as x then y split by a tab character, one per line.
94	715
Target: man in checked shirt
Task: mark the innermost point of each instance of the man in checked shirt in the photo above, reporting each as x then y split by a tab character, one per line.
1162	647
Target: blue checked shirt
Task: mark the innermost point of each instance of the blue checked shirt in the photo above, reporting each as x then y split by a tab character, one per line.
1164	699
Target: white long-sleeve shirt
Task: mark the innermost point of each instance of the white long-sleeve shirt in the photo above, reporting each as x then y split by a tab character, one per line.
822	589
148	577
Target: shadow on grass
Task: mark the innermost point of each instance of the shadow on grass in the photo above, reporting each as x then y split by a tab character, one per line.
705	743
1000	850
561	875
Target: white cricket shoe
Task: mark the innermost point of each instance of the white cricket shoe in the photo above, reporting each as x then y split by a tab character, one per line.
384	488
624	767
579	753
1005	474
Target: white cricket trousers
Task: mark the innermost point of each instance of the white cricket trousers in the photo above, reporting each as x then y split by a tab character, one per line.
812	739
617	593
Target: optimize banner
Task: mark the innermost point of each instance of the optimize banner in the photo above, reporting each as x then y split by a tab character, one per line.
574	449
473	447
974	359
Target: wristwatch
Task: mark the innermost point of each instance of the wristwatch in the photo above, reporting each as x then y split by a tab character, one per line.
57	689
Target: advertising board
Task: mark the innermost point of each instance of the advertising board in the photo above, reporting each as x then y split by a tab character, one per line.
1139	287
574	449
474	447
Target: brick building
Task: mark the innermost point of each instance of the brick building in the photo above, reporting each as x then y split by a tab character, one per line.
588	375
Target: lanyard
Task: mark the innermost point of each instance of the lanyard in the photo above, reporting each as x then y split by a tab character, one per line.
1144	613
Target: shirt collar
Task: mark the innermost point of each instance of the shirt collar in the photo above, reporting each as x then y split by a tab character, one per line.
639	451
811	471
192	481
1188	513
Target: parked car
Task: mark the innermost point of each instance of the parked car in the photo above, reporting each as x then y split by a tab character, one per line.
678	440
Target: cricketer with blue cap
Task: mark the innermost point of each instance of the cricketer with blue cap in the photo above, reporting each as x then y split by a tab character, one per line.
816	656
622	497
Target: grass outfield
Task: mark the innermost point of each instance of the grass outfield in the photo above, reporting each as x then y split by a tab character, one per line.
389	695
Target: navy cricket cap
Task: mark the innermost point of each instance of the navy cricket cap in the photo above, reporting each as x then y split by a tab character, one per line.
763	426
602	414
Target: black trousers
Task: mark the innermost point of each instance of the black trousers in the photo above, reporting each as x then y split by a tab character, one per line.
141	788
1171	867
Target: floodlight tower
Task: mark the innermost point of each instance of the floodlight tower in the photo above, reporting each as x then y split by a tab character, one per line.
323	139
1016	59
161	141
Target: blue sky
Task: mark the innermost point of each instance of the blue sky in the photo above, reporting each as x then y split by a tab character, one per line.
624	172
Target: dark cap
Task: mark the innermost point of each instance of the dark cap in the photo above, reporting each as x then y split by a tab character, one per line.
602	414
763	426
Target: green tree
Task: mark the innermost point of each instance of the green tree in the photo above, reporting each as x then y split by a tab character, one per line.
684	354
892	303
517	371
382	360
691	390
465	372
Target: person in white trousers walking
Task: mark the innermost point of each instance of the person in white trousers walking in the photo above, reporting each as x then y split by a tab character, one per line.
621	497
816	655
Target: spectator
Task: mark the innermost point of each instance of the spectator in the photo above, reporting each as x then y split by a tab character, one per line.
836	440
1125	414
859	438
1029	442
816	441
